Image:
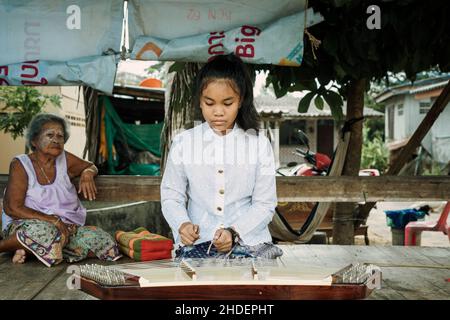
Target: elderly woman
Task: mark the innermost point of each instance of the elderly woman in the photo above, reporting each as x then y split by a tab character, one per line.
42	214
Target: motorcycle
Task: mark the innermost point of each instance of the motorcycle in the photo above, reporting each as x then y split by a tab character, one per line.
316	163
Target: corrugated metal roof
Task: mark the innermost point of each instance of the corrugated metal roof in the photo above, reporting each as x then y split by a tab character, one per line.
287	106
429	87
412	88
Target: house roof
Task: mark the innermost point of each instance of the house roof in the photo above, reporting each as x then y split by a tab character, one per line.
413	88
286	107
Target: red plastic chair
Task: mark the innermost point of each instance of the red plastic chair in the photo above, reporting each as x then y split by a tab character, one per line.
415	228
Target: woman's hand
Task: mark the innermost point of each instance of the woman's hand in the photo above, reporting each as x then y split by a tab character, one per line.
87	184
223	240
189	233
65	232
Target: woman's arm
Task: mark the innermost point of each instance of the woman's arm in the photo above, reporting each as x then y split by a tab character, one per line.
16	190
86	171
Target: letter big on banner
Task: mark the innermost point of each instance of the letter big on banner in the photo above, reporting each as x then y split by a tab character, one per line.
52	42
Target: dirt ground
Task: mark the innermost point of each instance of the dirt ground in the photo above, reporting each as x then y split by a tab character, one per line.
380	233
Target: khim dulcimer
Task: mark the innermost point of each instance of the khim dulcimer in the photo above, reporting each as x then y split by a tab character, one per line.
220	279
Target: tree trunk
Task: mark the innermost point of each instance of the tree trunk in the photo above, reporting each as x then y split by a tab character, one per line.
93	115
180	114
343	220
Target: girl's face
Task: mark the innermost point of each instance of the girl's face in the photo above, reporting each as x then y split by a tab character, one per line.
220	105
51	139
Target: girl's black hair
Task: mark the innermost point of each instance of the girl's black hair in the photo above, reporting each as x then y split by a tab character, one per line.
233	68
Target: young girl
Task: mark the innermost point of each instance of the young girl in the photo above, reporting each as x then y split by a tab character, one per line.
218	190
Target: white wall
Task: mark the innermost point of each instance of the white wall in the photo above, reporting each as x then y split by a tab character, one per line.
440	136
69	108
386	121
9	148
437	140
416	119
73	110
400	120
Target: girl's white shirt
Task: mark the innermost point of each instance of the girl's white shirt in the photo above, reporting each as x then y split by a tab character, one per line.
213	181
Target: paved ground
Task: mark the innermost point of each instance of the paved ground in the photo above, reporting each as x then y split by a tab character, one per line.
380	233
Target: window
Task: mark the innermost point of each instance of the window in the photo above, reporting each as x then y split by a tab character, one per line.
288	132
400	109
424	107
391	113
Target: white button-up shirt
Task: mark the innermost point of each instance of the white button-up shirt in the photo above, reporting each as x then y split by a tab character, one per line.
220	181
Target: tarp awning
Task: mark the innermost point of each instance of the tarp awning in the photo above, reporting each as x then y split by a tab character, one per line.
55	42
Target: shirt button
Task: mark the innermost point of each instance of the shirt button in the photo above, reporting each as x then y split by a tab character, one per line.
221	191
220	171
219	209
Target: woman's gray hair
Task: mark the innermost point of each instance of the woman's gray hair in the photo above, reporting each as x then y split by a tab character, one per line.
38	121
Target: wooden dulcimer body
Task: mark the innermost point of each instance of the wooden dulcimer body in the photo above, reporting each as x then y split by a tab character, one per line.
218	280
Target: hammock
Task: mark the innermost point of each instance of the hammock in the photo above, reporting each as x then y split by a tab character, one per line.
280	228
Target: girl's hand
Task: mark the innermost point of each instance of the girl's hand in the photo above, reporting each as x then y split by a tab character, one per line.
87	185
223	240
189	233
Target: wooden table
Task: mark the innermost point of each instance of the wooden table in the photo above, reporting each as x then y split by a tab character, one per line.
408	272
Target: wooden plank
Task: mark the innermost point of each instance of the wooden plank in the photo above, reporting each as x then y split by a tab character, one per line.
360	189
386	292
340	256
301	256
5	257
288	256
440	256
57	288
368	254
399	255
294	189
324	255
25	281
408	281
435	277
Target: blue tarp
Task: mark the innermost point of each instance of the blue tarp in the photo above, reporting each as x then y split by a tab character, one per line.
398	219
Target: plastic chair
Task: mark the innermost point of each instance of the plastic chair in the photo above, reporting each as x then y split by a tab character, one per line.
414	229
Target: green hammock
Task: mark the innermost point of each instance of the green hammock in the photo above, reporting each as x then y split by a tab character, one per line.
130	139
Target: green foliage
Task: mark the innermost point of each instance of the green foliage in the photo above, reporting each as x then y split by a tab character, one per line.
155	69
374	153
304	103
375	126
435	169
21	104
177	66
411	40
